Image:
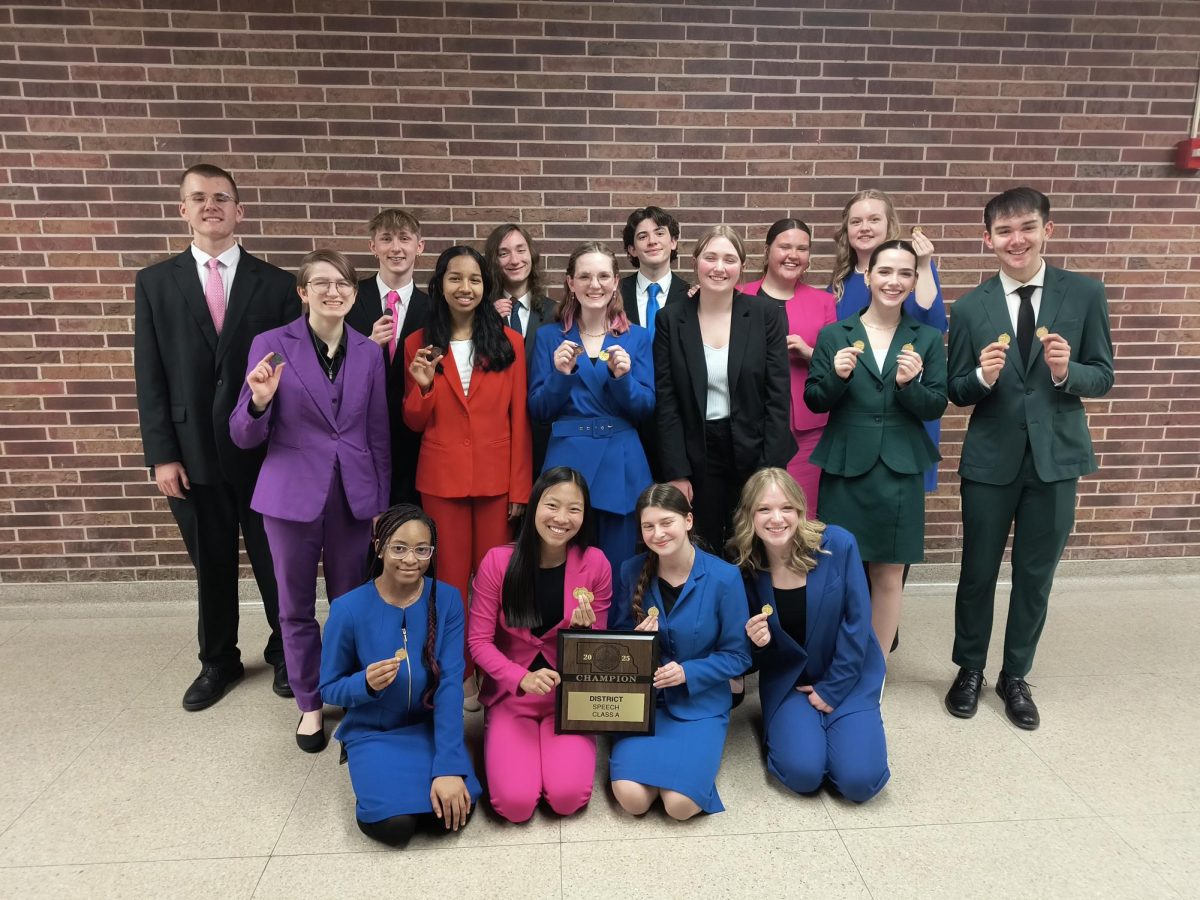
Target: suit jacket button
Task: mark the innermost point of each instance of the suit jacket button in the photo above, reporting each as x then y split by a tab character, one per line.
1022	426
879	419
220	381
1029	393
879	387
334	435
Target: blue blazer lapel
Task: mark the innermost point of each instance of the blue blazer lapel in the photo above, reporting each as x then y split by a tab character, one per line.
592	374
302	359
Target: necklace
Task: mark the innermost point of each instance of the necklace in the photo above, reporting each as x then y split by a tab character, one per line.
590	334
880	327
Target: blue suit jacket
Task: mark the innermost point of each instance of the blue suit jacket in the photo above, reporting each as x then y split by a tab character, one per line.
841	658
607	453
705	632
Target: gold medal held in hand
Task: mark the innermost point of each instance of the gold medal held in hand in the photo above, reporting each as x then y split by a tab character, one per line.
1004	339
908	348
1042	332
401	655
767	609
652	612
582	595
603	356
859	345
917	229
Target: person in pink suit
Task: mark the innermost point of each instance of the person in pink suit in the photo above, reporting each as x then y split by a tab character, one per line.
551	578
316	395
807	310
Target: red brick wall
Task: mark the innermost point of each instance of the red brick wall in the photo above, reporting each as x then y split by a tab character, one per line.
564	116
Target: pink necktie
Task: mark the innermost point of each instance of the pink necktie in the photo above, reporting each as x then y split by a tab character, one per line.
393	300
214	293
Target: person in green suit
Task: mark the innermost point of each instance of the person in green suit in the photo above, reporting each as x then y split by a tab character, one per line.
1025	347
874	450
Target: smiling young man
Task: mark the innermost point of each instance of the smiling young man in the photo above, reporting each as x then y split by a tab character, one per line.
389	307
1025	347
194	317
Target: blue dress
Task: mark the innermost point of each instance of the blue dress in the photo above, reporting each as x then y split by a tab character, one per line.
855	298
705	632
395	746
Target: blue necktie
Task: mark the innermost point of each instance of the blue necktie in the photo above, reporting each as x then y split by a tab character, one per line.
514	318
652	293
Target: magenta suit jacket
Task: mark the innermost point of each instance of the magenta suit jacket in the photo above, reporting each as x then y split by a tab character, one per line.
505	654
809	310
306	435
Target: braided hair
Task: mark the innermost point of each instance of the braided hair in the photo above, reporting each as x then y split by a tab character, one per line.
389	522
661	496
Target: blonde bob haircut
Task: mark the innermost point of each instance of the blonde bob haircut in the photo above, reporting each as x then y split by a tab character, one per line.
720	231
747	549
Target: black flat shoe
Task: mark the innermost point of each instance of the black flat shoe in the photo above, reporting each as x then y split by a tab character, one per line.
280	683
210	686
1018	702
963	697
311	743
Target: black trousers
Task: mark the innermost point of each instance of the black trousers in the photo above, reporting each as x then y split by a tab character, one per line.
209	520
716	489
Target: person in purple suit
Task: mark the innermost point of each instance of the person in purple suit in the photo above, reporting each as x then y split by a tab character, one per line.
316	394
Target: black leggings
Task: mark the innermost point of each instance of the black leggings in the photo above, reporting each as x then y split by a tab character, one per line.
398	830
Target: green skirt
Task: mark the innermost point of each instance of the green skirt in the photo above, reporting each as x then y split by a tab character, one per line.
885	511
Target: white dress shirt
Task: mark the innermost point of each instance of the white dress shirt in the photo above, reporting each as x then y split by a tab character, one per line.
228	268
643	294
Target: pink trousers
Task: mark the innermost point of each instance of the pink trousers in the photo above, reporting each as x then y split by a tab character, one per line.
807	475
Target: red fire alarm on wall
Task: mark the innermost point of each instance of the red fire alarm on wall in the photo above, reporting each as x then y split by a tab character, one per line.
1187	154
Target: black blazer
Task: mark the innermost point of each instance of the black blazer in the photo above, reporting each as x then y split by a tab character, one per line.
759	388
187	379
406	444
677	291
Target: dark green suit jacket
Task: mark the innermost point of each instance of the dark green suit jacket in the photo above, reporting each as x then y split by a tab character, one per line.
1024	404
870	419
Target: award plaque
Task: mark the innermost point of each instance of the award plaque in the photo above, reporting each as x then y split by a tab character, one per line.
607	682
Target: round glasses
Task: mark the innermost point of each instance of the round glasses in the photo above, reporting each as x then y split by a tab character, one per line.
322	286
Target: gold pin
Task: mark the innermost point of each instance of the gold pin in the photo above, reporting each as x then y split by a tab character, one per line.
401	655
652	612
908	348
1042	332
603	354
582	595
1004	339
767	609
859	345
917	229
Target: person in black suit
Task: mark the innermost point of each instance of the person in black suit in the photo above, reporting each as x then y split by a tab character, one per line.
389	308
651	238
521	300
194	317
723	387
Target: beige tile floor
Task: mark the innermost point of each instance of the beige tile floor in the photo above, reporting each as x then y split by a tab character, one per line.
110	789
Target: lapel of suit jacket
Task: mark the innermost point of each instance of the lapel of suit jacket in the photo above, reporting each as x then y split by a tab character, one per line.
349	375
188	282
739	337
678	289
995	307
692	342
533	324
817	584
1053	295
592	374
246	282
416	316
629	298
786	644
454	382
856	331
906	333
302	359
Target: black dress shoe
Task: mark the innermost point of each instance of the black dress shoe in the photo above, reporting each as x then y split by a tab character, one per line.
280	684
311	743
963	697
210	686
1018	701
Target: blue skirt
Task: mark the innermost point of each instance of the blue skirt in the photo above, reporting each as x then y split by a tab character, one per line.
683	755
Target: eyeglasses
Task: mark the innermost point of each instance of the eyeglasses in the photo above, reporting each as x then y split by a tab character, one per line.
220	199
321	286
399	551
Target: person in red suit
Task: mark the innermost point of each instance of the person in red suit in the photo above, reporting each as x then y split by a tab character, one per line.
466	395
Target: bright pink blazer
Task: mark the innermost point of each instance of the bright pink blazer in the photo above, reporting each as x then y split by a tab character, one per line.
505	654
809	310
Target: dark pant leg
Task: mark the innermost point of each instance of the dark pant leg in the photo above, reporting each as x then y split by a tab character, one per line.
209	525
987	512
258	550
396	831
715	490
1045	515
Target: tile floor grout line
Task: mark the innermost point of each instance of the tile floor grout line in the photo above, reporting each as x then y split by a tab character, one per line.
854	862
311	768
1134	850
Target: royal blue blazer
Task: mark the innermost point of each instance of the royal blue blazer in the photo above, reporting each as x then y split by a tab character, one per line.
841	658
705	632
595	416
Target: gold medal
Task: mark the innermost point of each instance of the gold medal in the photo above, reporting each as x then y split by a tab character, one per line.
1004	339
1042	332
582	595
908	348
401	655
603	355
767	609
917	229
652	612
859	345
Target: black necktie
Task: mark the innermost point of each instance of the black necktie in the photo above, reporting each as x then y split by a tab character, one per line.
514	317
1025	321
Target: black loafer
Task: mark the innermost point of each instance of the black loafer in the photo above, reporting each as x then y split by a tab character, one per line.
1018	701
280	683
963	697
311	743
210	686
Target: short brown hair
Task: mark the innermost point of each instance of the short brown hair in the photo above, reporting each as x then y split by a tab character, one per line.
334	258
208	170
394	220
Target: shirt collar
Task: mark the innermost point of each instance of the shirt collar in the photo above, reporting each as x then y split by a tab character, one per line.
1011	285
322	346
227	259
664	283
405	292
523	299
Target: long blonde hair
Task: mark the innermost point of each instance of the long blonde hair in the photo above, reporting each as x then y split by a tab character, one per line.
745	545
845	257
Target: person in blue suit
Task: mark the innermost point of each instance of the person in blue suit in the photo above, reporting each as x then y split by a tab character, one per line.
393	657
821	668
701	607
592	376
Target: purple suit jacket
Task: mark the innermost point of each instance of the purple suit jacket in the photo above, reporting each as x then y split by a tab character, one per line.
306	435
809	310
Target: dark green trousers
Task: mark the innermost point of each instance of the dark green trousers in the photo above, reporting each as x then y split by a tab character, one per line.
1043	513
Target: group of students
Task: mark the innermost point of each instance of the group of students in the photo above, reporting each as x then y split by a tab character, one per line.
654	412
